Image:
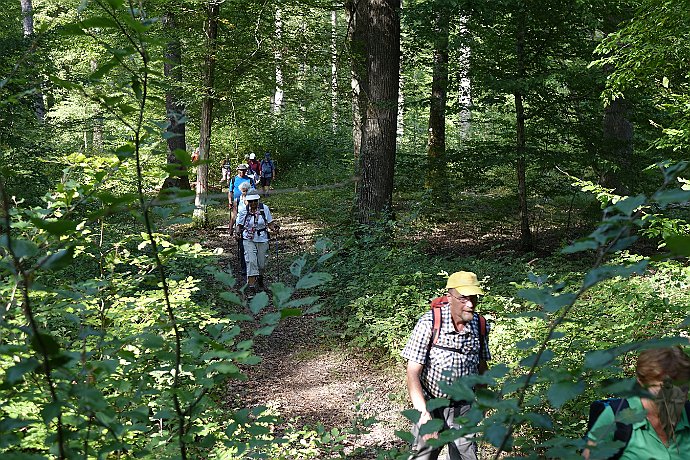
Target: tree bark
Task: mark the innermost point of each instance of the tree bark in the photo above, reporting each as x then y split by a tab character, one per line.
334	71
377	157
208	74
618	145
357	39
436	149
464	87
277	99
526	241
174	107
28	27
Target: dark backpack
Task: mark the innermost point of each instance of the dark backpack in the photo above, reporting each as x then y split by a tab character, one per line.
623	430
266	168
436	305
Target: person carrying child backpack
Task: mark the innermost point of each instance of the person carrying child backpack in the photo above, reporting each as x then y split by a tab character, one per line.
448	342
268	172
664	433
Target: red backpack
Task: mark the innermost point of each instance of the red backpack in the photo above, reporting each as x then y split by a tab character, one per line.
436	306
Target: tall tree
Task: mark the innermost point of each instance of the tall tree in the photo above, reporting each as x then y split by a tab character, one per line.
28	27
357	39
278	94
377	157
436	149
208	74
174	106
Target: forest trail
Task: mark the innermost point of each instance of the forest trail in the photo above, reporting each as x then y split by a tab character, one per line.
307	373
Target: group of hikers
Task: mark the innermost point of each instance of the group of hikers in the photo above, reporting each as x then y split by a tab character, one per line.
451	340
250	220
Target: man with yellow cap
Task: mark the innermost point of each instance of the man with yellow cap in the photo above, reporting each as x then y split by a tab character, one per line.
461	349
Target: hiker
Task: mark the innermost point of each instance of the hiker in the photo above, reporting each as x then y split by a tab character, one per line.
460	348
252	226
254	167
226	171
239	204
663	374
268	172
234	191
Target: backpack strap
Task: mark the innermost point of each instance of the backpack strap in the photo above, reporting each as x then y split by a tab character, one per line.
623	431
436	305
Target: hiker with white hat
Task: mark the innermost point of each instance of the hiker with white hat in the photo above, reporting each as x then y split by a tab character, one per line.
448	342
253	224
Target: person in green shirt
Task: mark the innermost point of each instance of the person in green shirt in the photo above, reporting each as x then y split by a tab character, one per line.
664	432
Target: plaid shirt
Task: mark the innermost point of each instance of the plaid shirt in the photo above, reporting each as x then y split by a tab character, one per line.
454	355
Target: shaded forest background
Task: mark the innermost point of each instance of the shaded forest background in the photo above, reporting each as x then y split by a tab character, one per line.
542	145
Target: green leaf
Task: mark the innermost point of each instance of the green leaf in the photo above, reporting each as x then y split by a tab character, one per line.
297	266
405	436
666	197
545	357
539	420
116	4
258	302
313	280
50	411
630	204
495	434
678	244
59	259
54	226
287	312
605	272
599	359
585	244
561	392
432	426
412	415
44	342
16	373
125	151
437	403
231	297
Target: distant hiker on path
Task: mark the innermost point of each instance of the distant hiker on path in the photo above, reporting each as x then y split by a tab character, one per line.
664	433
234	191
226	171
254	168
252	227
456	347
268	173
238	205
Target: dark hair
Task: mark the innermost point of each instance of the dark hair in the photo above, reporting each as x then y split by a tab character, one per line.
656	364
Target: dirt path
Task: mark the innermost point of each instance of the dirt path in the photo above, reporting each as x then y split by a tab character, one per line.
307	374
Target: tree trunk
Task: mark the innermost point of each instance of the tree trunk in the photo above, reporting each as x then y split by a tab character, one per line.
277	100
206	113
357	38
464	87
377	158
618	145
436	150
174	107
521	162
28	27
334	71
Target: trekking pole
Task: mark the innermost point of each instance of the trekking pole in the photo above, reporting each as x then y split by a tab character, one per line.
276	262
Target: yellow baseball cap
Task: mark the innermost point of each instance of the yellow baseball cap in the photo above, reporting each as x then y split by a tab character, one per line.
465	283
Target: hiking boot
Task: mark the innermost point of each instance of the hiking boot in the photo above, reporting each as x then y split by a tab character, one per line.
250	292
260	283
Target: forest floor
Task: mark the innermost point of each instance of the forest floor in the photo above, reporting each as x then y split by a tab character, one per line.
308	374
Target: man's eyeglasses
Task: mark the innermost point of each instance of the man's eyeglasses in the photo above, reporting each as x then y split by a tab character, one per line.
464	298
